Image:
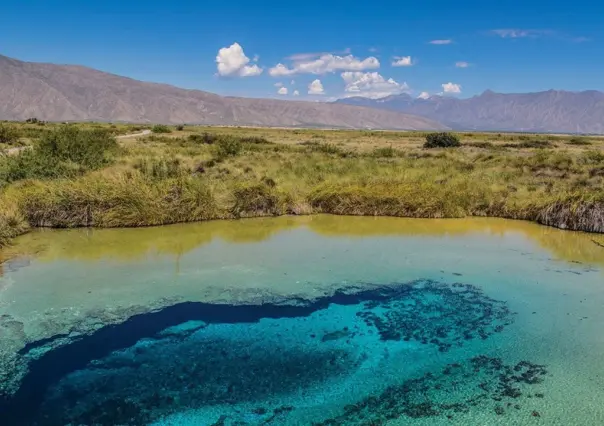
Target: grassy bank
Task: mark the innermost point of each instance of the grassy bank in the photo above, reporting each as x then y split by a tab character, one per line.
79	175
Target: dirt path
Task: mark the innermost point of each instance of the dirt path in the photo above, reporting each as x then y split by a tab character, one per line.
134	135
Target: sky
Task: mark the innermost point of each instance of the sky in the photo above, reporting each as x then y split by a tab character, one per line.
320	50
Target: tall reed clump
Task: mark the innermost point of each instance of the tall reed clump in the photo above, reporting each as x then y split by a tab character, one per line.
258	199
12	222
66	152
412	198
124	200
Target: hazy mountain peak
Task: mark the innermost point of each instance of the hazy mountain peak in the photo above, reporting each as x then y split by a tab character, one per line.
549	111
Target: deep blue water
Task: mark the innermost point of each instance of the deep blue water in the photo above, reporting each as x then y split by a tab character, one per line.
261	364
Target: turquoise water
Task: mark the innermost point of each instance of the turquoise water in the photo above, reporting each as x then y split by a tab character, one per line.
327	321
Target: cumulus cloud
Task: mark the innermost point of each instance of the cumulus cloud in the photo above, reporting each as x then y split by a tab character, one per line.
292	82
282	91
371	85
280	70
402	61
424	95
462	64
232	62
316	88
278	84
441	42
451	88
296	93
326	63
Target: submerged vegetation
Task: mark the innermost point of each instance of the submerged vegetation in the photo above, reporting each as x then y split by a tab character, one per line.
79	175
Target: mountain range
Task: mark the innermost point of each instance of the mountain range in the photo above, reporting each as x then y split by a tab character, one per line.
553	111
75	93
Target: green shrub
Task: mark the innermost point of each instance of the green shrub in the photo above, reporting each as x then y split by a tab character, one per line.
257	140
386	152
161	128
8	134
65	152
204	138
30	165
530	144
579	141
441	140
180	127
227	146
88	148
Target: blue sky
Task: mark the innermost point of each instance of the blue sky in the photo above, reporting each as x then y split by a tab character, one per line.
508	46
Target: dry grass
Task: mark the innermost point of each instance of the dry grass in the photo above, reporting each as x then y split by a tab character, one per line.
201	173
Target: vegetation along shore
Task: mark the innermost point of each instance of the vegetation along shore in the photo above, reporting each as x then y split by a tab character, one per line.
76	175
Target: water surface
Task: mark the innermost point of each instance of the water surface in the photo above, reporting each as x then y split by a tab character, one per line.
299	321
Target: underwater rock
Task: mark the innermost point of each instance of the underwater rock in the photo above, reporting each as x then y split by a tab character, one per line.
437	394
437	313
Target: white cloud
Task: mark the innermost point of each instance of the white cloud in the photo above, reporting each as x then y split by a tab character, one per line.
371	85
326	63
256	58
424	95
519	33
296	93
280	70
451	88
316	88
402	61
445	41
278	84
232	62
462	64
282	91
292	82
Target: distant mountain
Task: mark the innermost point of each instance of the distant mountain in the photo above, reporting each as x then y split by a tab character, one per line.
548	112
75	93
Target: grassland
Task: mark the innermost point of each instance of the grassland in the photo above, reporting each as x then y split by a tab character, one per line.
82	177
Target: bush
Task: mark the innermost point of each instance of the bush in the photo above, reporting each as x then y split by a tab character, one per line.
8	134
65	152
227	146
441	140
88	148
579	141
529	144
205	138
30	165
386	152
180	127
161	128
256	140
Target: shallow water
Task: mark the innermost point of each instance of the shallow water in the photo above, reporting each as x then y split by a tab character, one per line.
298	321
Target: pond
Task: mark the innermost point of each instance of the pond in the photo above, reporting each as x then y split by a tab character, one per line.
318	320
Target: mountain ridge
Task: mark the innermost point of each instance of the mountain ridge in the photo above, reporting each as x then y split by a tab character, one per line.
548	111
77	93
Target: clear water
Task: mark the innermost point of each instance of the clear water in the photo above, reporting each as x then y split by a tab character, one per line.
299	321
